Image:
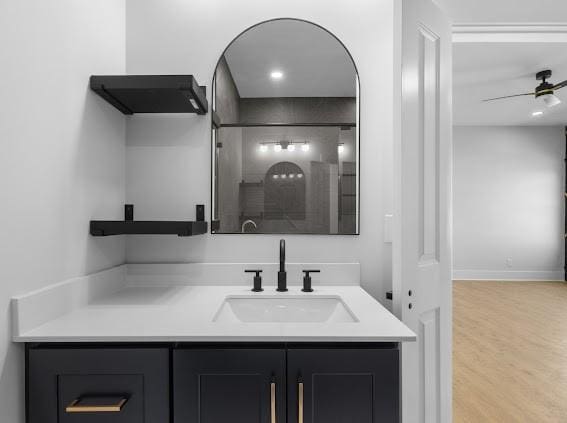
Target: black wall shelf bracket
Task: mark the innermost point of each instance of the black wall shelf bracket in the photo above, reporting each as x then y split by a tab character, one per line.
151	93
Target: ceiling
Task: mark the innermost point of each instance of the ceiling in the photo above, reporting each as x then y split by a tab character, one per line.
313	62
485	70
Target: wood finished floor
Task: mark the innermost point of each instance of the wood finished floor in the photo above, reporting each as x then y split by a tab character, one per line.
509	352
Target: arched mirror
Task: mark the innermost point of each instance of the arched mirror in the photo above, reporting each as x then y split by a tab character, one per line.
285	133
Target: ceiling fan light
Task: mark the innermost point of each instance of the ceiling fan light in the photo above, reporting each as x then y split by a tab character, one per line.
550	100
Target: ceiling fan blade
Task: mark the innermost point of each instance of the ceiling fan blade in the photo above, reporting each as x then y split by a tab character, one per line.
508	96
560	85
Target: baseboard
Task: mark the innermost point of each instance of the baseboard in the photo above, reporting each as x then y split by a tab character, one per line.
508	275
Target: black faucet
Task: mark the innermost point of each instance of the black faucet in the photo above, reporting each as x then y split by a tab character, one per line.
282	274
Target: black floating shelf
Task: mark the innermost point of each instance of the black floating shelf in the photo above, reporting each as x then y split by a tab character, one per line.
129	226
152	93
147	227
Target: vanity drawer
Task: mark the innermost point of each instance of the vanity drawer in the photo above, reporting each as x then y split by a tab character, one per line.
98	385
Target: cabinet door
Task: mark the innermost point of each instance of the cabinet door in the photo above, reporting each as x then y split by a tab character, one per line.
343	386
229	385
97	385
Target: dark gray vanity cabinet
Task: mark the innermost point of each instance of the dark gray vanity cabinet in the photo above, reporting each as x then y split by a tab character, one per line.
343	385
213	383
229	385
97	385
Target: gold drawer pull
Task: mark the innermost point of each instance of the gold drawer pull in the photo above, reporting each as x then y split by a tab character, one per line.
300	402
273	402
87	405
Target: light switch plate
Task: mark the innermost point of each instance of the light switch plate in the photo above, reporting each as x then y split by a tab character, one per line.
388	218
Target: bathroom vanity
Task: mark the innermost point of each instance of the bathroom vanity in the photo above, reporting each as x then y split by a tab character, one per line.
210	343
194	382
155	343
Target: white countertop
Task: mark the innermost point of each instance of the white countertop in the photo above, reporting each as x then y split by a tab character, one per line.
185	314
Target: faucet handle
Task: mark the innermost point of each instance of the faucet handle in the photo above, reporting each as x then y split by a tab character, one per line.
307	280
257	279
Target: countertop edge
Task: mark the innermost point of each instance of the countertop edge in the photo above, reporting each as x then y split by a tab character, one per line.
219	339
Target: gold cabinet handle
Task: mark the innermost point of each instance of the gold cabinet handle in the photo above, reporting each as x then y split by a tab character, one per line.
300	402
82	405
273	401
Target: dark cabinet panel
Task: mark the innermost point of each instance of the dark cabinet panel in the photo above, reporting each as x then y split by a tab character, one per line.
229	385
116	385
343	385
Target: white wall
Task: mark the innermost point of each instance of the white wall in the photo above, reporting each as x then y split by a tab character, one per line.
168	158
62	156
508	202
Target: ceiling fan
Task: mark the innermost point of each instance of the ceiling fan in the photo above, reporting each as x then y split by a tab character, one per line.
544	91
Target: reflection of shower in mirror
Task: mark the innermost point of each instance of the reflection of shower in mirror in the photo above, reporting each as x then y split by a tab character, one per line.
247	222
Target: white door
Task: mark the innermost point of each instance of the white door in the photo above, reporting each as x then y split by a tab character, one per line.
422	243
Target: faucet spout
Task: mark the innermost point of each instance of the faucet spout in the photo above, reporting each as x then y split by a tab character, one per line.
282	275
282	255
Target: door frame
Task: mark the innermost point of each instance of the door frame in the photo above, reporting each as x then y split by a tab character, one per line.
518	33
526	32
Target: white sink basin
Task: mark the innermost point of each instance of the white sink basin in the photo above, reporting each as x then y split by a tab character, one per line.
281	309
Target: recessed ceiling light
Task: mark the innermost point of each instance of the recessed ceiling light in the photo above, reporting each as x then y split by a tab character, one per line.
291	147
537	113
276	74
305	147
263	148
277	147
